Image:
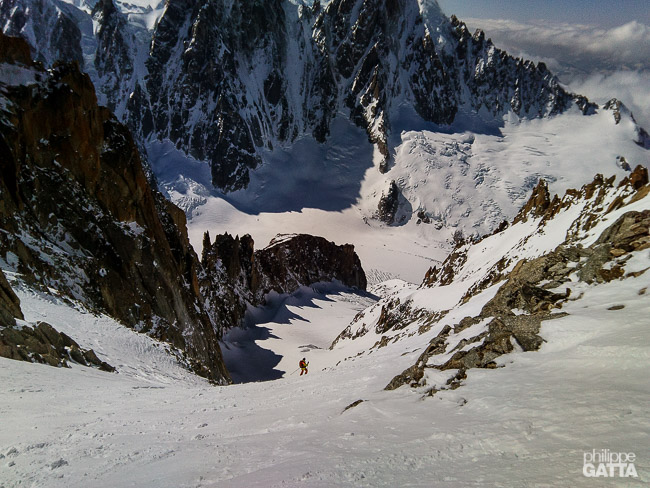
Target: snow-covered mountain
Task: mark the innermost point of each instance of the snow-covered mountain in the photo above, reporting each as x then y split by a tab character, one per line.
79	218
383	124
258	91
156	425
224	81
489	298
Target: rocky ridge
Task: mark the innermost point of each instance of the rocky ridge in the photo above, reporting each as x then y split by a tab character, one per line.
79	218
596	231
226	82
286	264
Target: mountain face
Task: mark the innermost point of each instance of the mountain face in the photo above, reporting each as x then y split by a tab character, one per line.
489	298
246	76
228	81
78	215
245	276
53	29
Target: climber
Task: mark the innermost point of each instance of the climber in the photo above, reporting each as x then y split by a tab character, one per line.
303	366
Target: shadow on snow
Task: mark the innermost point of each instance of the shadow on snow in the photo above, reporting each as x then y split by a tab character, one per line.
246	360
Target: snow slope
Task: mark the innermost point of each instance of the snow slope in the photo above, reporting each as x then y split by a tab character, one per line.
529	423
154	425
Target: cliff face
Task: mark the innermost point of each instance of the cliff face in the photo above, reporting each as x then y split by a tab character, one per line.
236	275
79	216
290	262
228	81
9	304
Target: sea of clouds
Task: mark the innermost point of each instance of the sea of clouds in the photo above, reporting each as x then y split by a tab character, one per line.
601	63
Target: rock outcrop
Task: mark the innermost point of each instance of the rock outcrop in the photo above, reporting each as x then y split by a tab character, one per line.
43	344
290	262
116	55
235	275
9	304
534	289
526	290
388	204
79	215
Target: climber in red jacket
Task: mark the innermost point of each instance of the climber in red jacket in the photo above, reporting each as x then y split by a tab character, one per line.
303	366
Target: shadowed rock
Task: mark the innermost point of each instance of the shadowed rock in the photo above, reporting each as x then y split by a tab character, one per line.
74	189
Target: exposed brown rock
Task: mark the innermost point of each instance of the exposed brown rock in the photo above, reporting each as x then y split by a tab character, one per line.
637	178
445	275
9	303
14	50
537	204
629	233
43	344
73	183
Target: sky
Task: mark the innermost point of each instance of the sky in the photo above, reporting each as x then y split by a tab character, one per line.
604	13
597	48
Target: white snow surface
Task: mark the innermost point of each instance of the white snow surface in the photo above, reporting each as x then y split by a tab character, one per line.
155	425
528	423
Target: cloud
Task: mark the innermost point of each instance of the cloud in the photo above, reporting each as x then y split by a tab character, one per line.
631	87
577	47
593	61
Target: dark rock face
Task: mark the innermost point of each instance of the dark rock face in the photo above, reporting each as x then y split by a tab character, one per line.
78	212
204	79
226	278
498	81
43	344
9	303
225	82
639	177
234	274
289	263
615	106
14	50
114	61
388	204
52	26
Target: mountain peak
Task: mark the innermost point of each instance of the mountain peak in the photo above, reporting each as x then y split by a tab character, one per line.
226	83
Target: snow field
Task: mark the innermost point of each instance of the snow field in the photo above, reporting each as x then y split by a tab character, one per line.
153	424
